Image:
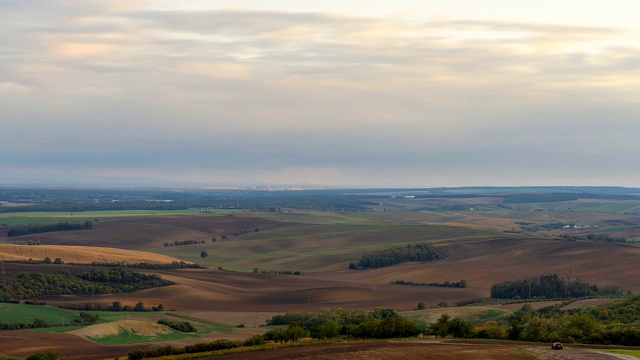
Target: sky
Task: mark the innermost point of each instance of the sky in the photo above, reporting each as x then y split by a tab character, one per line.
404	93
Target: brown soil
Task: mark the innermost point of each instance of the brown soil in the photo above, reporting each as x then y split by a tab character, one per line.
24	343
382	350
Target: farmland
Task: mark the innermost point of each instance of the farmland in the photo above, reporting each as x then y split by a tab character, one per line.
483	240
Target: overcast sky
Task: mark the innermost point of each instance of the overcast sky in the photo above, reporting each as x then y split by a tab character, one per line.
412	93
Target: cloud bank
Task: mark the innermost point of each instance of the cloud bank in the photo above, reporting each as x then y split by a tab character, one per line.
324	98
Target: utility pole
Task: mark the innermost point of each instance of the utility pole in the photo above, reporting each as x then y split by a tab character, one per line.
309	304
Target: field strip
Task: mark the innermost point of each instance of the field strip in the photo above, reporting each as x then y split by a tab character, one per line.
187	317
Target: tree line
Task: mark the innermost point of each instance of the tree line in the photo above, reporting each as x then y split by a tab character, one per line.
83	319
396	255
458	284
38	229
98	281
114	306
550	287
182	326
611	324
380	323
596	238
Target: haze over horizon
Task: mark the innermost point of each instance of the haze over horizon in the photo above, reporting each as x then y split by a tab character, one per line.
401	94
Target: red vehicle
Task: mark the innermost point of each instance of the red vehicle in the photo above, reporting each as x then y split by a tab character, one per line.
557	346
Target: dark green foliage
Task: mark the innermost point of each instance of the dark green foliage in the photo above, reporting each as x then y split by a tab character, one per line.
182	326
605	238
396	255
46	355
459	284
380	323
545	286
103	281
203	254
37	229
85	319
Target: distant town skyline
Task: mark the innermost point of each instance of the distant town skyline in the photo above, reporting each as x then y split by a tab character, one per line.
399	94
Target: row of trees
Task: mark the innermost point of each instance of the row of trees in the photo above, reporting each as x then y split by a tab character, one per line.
98	281
83	319
37	229
549	287
459	284
396	255
183	243
615	323
596	238
380	323
115	306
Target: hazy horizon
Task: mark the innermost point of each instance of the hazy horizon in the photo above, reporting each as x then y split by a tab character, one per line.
402	94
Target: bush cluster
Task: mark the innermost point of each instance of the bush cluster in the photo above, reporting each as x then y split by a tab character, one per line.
182	326
396	255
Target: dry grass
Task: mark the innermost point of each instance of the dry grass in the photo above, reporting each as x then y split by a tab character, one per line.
114	328
81	254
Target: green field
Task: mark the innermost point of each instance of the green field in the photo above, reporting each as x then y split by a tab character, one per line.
20	313
635	353
25	218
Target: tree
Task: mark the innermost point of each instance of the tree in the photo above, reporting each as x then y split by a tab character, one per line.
58	261
440	327
117	306
46	355
204	254
421	306
295	331
139	306
47	260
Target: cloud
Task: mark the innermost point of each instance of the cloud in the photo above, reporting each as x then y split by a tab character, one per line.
324	97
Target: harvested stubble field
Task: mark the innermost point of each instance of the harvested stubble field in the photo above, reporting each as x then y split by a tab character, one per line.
81	254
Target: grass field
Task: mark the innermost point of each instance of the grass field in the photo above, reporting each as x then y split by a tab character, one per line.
635	353
114	328
25	218
20	313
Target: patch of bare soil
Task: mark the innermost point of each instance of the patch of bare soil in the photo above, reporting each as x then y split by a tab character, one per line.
383	350
22	343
